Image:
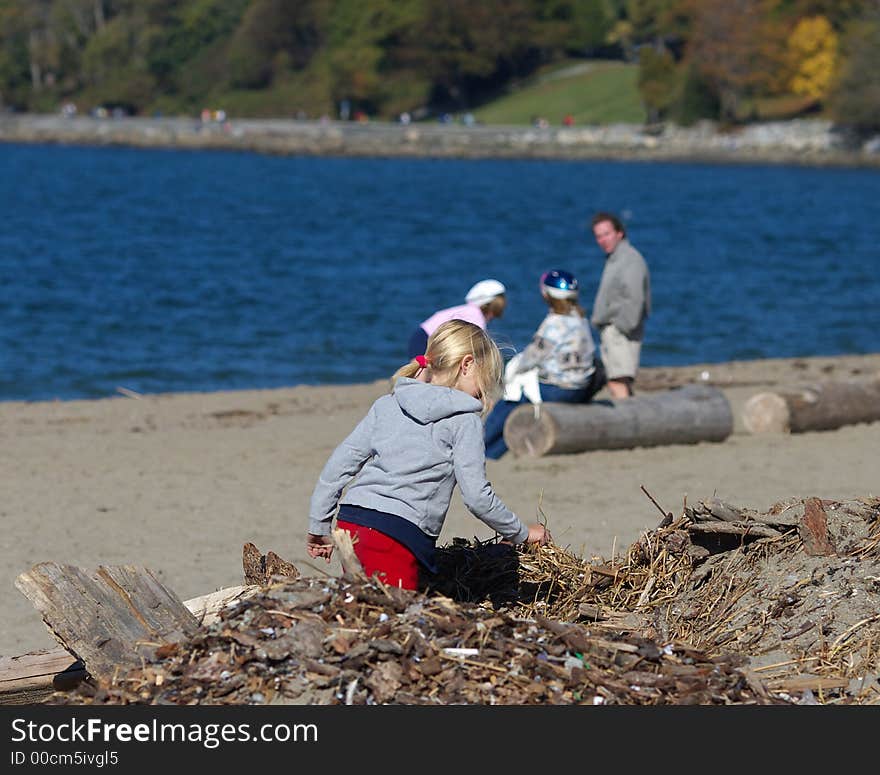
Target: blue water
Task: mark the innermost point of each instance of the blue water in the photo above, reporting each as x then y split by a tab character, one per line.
168	271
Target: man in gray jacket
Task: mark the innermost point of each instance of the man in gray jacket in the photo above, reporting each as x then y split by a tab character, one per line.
623	302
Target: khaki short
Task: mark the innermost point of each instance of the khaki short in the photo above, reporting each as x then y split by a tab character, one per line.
619	354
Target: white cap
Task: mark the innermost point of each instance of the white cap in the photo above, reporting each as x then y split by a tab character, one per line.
484	291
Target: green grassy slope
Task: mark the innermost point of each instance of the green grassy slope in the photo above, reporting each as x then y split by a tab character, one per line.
596	92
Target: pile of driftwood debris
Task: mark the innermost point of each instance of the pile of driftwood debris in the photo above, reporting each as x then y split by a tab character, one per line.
721	605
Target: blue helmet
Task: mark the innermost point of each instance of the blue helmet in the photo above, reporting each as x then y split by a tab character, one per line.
559	284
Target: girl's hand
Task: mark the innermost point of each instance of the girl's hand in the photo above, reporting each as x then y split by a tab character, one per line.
538	534
319	546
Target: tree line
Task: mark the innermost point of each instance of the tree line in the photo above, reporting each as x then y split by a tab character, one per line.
696	58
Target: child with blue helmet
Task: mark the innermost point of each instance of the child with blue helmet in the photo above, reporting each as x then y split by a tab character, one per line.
562	352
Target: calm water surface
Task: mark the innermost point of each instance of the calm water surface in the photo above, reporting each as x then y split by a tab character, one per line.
162	271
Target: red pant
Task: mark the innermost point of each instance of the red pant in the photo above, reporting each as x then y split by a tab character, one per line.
380	554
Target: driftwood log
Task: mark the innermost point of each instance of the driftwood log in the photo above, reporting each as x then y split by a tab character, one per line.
111	618
125	603
30	678
820	407
684	415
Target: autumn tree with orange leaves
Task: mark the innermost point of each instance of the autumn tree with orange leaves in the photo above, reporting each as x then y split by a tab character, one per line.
737	48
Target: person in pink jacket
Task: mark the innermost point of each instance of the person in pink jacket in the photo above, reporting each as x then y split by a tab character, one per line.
484	301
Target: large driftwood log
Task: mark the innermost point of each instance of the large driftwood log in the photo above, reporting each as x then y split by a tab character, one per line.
30	678
820	407
112	618
685	415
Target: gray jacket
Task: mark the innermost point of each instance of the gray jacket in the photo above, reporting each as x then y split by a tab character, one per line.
406	456
624	295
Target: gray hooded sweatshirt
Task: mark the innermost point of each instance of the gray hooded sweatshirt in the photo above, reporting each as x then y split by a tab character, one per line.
406	456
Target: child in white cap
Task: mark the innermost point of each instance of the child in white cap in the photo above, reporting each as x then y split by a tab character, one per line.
484	301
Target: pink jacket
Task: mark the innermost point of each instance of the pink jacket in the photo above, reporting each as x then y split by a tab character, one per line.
469	312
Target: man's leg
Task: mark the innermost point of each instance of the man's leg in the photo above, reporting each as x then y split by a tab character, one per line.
621	387
621	357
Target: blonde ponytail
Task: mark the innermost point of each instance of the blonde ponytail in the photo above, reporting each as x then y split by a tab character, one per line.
446	349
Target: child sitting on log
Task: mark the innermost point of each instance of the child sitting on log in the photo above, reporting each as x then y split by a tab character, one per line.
403	460
561	351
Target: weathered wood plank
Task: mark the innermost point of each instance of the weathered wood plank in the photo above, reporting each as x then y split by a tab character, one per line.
803	682
30	678
111	618
734	528
351	565
207	608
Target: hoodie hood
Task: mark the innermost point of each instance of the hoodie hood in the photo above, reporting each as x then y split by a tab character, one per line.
428	403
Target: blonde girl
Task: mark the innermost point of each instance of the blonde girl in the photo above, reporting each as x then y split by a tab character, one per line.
403	460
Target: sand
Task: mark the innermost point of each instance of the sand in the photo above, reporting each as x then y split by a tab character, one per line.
179	482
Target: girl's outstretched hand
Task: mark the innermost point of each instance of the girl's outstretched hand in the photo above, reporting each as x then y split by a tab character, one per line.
319	546
538	534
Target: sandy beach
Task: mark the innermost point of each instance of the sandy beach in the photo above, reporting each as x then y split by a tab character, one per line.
178	483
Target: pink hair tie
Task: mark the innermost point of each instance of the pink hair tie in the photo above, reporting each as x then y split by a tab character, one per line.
422	361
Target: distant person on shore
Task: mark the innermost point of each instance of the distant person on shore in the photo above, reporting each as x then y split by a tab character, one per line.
400	464
622	304
562	356
485	301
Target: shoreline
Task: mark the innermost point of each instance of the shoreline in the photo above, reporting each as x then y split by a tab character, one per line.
810	142
734	373
179	482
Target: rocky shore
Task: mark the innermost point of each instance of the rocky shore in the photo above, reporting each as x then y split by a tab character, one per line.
813	142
